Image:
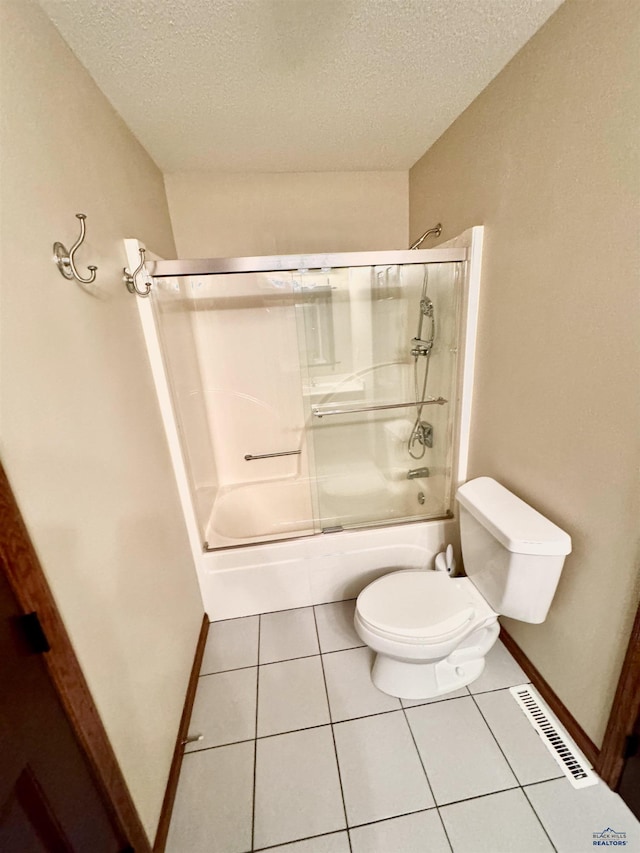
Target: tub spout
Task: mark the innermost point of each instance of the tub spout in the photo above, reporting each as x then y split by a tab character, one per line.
415	473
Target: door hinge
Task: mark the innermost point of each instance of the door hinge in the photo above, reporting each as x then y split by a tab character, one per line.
34	633
631	743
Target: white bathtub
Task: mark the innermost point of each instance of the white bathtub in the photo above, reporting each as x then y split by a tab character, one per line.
301	572
257	512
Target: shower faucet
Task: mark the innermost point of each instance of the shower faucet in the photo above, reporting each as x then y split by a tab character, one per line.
421	347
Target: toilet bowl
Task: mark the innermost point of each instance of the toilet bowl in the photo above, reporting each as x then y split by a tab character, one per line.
431	632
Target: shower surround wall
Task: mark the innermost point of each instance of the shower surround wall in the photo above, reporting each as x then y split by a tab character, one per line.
248	357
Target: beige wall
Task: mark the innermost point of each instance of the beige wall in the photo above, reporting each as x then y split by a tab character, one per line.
238	215
82	439
547	159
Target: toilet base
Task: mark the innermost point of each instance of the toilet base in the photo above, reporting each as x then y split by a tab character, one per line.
408	680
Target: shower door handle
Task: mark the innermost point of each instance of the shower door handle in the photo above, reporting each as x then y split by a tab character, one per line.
250	457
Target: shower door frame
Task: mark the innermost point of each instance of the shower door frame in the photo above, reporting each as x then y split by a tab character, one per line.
159	269
297	572
288	263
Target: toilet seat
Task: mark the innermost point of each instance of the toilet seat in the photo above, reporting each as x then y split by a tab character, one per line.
418	606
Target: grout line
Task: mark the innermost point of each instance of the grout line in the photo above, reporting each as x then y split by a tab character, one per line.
433	701
294	731
486	722
479	796
496	689
348	649
444	829
543	781
282	610
333	734
520	785
255	745
286	660
218	746
424	769
392	817
298	840
233	619
223	671
544	828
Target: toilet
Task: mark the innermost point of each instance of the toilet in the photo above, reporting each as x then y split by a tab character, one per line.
431	632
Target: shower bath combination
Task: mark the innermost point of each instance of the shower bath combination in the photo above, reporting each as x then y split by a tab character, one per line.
322	432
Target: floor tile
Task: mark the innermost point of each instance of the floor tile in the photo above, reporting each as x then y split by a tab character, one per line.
499	823
500	671
459	752
335	626
336	842
456	694
381	772
524	749
212	811
230	645
291	695
351	691
571	815
414	833
288	634
297	787
224	710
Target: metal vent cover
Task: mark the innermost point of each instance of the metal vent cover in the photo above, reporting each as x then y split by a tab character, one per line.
571	761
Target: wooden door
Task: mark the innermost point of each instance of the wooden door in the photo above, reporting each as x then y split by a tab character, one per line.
619	760
629	785
48	799
61	788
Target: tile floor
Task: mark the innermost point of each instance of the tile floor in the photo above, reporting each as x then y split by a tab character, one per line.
302	754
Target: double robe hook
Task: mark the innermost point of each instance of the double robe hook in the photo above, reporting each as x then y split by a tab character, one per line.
131	278
65	258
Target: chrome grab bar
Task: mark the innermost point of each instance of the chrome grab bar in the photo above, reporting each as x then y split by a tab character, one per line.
432	401
249	457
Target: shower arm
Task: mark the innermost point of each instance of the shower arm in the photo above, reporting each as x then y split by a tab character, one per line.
436	231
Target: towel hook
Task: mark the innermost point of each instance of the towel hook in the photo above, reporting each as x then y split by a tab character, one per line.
130	277
65	258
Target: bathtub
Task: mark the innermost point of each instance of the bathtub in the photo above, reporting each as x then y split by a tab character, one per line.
315	570
263	511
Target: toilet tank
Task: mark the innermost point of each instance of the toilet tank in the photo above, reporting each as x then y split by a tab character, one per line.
512	553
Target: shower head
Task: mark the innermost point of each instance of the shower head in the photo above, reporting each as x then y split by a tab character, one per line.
436	230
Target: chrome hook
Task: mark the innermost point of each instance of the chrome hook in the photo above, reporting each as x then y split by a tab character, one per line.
130	277
65	258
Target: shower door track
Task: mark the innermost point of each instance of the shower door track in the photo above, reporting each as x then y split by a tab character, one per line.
281	263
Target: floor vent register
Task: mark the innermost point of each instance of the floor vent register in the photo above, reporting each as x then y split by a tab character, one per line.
572	762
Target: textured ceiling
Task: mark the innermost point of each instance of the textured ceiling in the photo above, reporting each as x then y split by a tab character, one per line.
293	85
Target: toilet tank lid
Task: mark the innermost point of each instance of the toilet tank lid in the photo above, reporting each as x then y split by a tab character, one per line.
515	524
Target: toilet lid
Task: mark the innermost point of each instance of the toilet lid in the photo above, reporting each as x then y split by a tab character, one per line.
412	603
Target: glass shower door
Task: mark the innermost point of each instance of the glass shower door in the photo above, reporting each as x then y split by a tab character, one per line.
380	446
